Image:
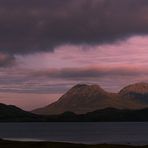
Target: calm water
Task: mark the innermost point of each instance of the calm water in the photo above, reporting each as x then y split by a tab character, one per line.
92	133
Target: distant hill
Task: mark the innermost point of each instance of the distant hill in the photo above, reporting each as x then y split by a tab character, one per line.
15	114
104	115
83	98
9	113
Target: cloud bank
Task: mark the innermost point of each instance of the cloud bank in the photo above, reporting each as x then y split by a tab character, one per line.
50	81
40	25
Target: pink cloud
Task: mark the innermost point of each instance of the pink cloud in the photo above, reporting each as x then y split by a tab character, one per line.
111	66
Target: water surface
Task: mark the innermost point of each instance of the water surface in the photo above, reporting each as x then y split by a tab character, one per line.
88	133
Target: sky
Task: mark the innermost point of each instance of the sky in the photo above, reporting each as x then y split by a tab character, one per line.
47	46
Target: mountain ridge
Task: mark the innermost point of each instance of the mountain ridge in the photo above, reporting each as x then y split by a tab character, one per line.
83	98
10	113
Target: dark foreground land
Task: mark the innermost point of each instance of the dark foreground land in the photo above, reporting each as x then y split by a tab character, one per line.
14	144
10	113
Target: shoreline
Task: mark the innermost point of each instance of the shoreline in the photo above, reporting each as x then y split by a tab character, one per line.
46	144
72	142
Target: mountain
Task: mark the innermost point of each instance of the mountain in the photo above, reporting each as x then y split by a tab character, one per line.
79	99
87	103
136	92
13	113
84	98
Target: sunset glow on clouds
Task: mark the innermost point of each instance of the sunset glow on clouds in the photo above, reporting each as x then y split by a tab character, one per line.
48	47
111	65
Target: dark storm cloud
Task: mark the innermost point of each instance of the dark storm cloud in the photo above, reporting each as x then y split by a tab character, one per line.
39	25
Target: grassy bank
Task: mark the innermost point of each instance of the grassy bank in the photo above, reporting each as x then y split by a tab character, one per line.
14	144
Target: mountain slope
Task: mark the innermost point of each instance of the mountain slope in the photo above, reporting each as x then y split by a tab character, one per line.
87	98
136	92
13	113
82	99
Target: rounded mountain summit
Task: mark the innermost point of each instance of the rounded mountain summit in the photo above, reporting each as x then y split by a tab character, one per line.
83	98
136	92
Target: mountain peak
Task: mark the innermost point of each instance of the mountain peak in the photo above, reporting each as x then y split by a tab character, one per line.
137	87
82	91
85	87
80	85
81	98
